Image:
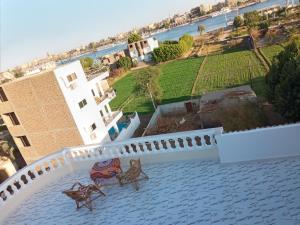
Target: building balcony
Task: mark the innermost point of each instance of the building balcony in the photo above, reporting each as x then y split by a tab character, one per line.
108	96
97	74
112	119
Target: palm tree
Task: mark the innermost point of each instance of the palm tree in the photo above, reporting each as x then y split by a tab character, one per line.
201	29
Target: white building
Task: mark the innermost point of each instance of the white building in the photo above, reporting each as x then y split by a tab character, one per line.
60	108
141	50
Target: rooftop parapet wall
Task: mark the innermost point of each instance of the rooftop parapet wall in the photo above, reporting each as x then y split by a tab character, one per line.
258	144
174	146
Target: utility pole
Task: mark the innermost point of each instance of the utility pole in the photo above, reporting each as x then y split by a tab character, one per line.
154	106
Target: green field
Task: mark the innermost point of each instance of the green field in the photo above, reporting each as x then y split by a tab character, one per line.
177	78
271	51
124	90
228	70
176	81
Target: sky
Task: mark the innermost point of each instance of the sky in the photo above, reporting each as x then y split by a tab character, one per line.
31	28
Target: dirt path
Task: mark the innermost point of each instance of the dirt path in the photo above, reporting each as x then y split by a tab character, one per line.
193	94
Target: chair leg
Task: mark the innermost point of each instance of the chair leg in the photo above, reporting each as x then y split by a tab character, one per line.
146	177
77	204
136	185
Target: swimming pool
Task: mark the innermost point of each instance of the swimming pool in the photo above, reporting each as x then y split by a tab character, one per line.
121	126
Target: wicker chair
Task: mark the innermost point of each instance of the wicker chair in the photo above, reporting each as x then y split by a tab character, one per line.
82	195
132	175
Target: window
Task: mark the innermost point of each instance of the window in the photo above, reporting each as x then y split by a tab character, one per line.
13	118
106	109
93	127
24	141
93	92
72	77
3	97
82	103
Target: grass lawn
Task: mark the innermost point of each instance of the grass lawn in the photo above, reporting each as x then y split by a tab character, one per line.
230	69
177	78
271	51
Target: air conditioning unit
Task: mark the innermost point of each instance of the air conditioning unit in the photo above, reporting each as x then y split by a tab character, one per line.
73	85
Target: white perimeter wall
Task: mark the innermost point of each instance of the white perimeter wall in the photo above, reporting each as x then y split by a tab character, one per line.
127	132
264	143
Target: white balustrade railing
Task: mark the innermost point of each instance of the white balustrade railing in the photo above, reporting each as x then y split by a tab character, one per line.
136	147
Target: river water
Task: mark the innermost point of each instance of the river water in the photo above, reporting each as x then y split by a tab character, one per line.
175	33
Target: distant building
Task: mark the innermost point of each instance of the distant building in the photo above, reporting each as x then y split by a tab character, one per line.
205	7
141	50
37	69
179	20
231	3
58	108
112	59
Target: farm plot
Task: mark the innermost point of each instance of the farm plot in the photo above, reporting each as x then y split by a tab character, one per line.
229	70
177	78
271	51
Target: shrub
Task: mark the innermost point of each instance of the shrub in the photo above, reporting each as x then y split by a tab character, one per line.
167	52
125	63
238	21
172	49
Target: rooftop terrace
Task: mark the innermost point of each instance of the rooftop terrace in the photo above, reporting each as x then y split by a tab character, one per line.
188	182
186	192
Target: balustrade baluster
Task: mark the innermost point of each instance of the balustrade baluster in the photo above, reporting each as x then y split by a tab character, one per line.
168	144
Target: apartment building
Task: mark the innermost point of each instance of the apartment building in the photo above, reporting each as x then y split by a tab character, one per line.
141	50
58	108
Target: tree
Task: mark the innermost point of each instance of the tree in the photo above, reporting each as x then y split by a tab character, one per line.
134	37
125	63
148	80
238	22
86	63
251	19
6	150
283	81
186	42
201	29
18	73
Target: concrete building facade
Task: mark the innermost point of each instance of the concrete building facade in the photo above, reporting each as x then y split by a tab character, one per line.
141	50
58	108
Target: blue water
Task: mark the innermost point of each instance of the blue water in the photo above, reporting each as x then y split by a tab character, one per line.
120	125
175	33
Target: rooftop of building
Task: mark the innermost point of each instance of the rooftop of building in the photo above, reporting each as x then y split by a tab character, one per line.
185	192
89	75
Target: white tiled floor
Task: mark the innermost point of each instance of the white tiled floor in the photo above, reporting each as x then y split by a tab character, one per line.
188	192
